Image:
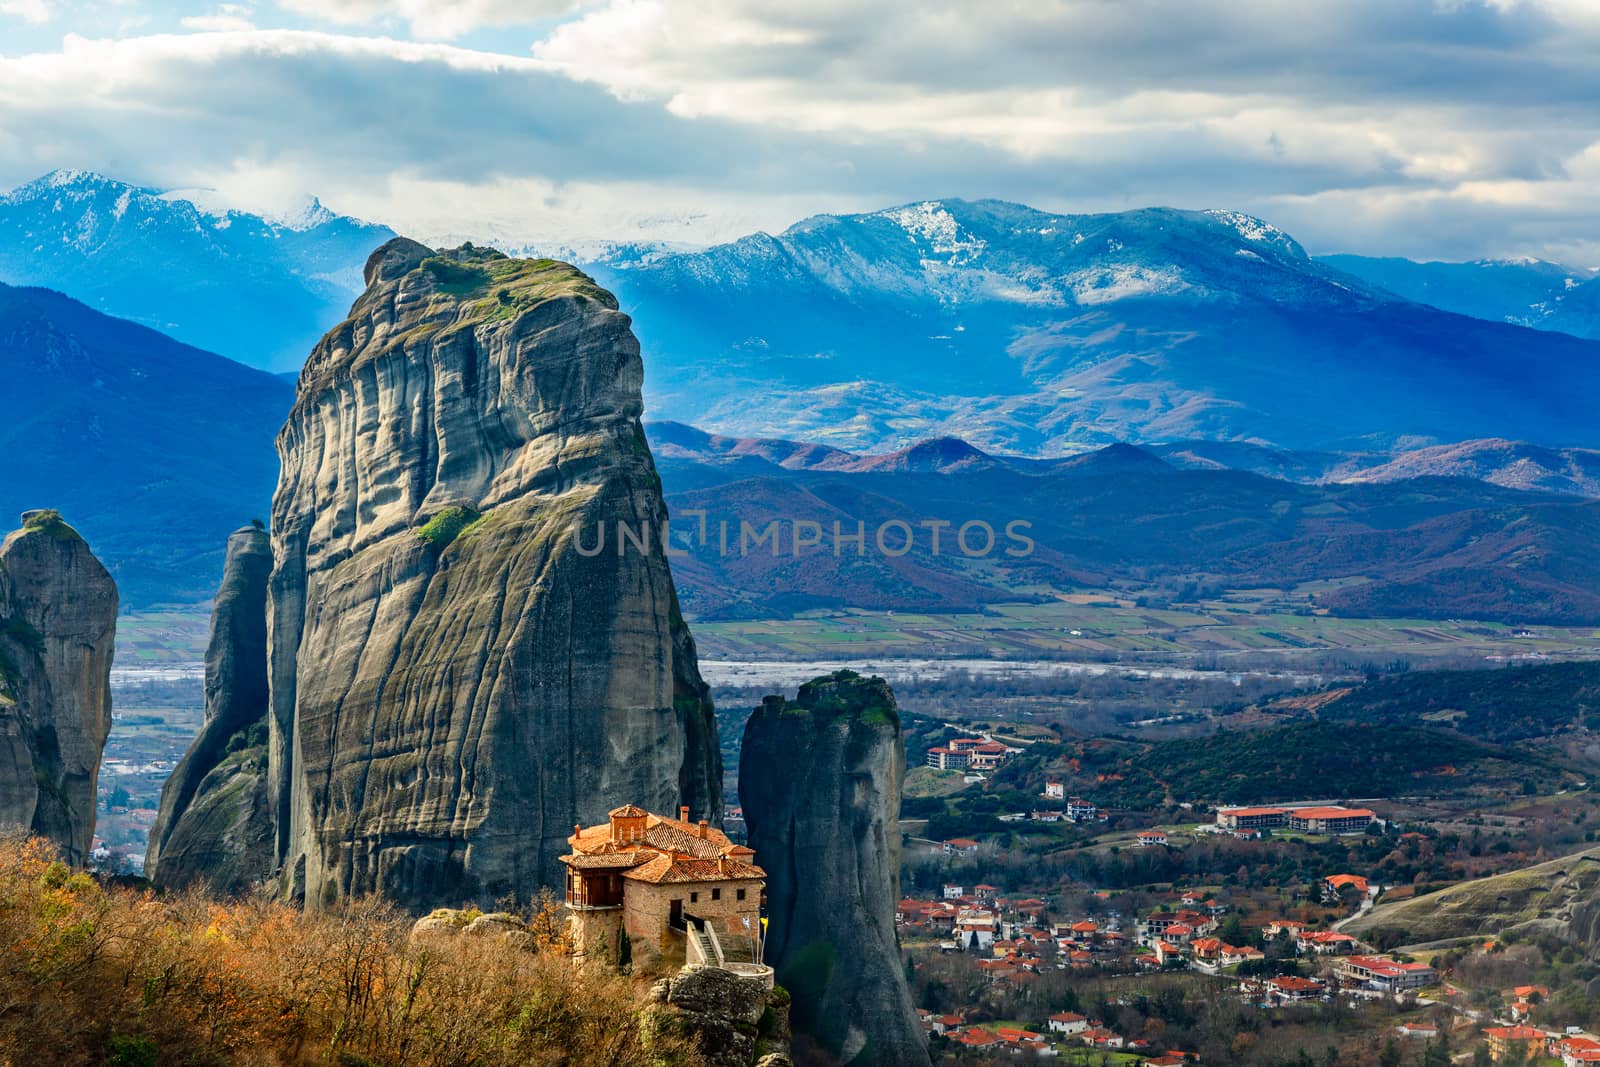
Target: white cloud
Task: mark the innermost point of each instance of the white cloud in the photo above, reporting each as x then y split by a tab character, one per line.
226	19
1447	128
431	138
34	11
439	20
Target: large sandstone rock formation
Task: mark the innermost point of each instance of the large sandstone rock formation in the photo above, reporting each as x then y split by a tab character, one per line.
454	684
58	619
819	780
214	826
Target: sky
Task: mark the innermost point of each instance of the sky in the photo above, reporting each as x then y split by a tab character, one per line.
1445	129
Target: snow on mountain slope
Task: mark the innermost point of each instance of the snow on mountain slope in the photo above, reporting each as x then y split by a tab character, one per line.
1032	332
256	289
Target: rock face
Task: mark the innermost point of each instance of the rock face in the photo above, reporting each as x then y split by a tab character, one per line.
819	780
733	1020
58	619
454	684
214	826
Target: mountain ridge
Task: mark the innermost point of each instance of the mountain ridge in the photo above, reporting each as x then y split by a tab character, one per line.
1043	334
258	289
154	447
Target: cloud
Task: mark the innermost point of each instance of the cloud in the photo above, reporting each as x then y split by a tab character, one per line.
412	133
1432	127
1250	103
33	11
226	19
438	20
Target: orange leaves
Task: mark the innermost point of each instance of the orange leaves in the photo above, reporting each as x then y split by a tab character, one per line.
258	983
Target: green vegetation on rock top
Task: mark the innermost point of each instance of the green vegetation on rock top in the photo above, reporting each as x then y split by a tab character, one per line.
49	521
439	531
501	288
867	701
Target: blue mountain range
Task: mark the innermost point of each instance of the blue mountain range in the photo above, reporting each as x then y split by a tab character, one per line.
260	291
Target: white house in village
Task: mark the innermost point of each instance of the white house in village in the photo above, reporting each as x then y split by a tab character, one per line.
1069	1023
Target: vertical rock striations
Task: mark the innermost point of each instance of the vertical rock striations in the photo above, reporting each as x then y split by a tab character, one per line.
819	780
454	684
58	619
214	826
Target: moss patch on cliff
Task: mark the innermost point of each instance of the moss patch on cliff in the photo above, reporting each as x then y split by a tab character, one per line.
438	532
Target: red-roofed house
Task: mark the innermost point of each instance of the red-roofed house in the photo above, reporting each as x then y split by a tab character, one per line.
1292	987
1513	1043
654	876
977	1037
1069	1023
1327	942
1384	974
1335	884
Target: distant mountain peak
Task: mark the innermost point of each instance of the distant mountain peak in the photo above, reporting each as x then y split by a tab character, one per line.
931	223
1259	231
65	179
256	288
936	455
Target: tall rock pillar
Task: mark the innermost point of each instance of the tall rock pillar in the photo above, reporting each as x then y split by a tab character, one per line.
819	781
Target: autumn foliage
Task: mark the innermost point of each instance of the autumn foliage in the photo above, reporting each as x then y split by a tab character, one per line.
91	974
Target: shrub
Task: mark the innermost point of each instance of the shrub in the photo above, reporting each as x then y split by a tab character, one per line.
124	1051
103	974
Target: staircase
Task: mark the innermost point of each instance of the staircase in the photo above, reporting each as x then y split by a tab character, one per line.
703	947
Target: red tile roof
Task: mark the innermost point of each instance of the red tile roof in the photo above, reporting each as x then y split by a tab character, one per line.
1332	813
668	850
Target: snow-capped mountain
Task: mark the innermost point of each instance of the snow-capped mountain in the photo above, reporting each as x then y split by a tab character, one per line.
1527	292
1030	332
255	289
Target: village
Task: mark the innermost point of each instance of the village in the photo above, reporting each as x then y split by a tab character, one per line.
1070	976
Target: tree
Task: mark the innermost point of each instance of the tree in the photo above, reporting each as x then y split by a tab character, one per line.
1390	1054
1437	1051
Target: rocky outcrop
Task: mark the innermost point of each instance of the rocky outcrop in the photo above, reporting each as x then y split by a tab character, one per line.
732	1020
1557	900
58	619
457	677
214	826
457	922
819	780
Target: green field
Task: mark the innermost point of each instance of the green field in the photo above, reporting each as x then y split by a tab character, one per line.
1085	626
157	638
1091	626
